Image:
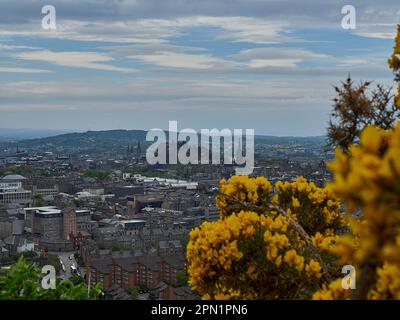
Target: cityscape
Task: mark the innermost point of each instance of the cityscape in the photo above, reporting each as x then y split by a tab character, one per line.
106	213
175	154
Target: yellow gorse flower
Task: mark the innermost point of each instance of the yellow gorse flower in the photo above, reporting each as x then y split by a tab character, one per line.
367	178
333	291
313	269
254	245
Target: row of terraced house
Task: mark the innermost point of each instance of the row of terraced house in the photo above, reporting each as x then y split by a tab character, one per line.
156	273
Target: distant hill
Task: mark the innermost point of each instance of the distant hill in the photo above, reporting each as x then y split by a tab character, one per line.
288	139
7	134
88	139
122	138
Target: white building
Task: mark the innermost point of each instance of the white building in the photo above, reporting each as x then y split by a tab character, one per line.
12	191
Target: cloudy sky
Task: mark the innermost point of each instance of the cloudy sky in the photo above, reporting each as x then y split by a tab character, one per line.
135	64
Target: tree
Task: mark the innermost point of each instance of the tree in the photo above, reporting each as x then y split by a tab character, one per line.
116	247
266	245
79	259
101	175
180	170
22	282
76	279
53	260
182	278
76	202
356	106
38	200
134	292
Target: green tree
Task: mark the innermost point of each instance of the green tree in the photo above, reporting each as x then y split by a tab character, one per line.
79	259
76	279
116	247
76	202
54	261
134	292
101	175
182	278
38	200
22	282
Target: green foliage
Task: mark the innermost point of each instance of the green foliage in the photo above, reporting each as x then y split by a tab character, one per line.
38	200
22	282
76	202
180	170
24	171
134	292
90	140
182	278
101	175
116	247
79	259
54	261
75	279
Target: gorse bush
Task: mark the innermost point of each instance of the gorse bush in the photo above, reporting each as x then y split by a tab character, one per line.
368	179
267	245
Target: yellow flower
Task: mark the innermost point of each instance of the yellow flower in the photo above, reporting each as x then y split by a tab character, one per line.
371	139
333	291
294	260
295	202
252	241
313	269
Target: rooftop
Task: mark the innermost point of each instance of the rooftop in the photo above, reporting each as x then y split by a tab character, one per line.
13	177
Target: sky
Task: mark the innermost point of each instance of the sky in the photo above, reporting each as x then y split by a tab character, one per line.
136	64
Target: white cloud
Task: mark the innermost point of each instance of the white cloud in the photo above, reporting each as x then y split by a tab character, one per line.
15	47
278	63
135	31
376	30
21	70
182	60
86	60
158	89
250	58
237	29
240	29
278	57
281	53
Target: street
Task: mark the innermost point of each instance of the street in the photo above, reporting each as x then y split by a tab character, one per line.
65	258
